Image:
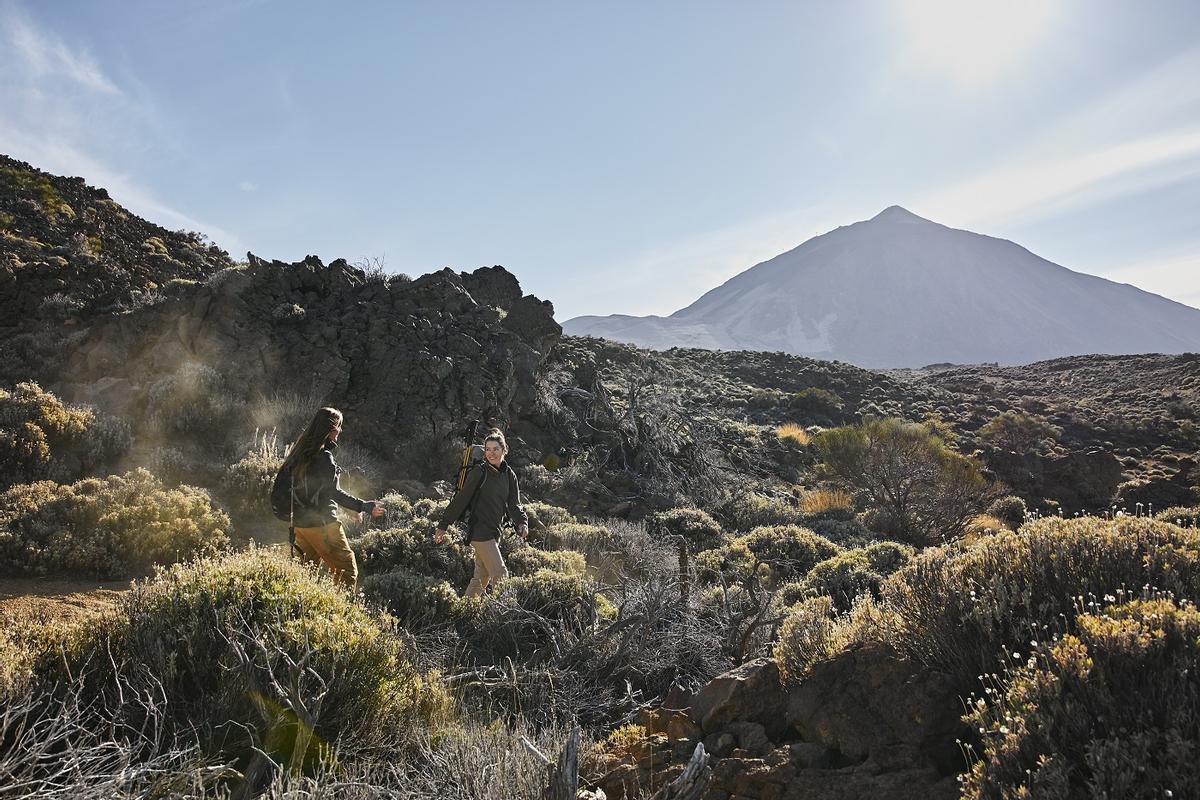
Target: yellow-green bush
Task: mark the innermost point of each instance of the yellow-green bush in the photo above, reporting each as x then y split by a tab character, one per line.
844	578
194	402
954	608
111	527
247	482
525	559
1110	711
754	510
41	438
697	527
411	548
544	515
887	557
416	600
807	636
210	633
781	553
1009	509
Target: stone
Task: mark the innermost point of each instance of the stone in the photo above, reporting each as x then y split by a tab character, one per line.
749	693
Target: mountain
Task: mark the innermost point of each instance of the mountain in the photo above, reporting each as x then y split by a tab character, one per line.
901	291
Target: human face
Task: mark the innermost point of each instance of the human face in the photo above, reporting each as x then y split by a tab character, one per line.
337	429
493	452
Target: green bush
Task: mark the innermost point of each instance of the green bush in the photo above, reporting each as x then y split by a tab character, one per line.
807	637
844	578
247	483
1187	516
108	528
754	510
1009	509
544	515
1111	711
411	548
781	553
416	601
209	635
194	402
523	559
698	528
887	557
1018	431
817	402
954	608
41	438
928	491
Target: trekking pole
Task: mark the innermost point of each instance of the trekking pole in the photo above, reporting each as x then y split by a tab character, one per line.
466	459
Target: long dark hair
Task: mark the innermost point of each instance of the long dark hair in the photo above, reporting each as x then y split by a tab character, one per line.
312	440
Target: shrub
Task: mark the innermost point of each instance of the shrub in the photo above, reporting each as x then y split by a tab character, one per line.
209	635
929	491
109	528
888	557
42	438
1009	509
247	483
1186	516
827	502
544	515
193	402
843	578
1111	711
785	552
1017	431
411	548
754	510
791	432
956	607
416	601
524	559
698	528
806	638
844	533
817	402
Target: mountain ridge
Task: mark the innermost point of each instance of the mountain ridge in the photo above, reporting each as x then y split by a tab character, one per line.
928	293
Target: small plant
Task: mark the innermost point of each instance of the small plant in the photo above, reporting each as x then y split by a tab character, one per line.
1018	432
1010	510
792	432
696	527
826	501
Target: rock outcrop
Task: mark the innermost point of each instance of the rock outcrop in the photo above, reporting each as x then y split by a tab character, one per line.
865	723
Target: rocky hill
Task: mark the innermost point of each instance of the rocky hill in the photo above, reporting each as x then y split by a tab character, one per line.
67	249
901	291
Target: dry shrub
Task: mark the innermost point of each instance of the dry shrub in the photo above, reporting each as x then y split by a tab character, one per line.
783	552
697	528
216	639
109	528
42	438
825	501
1110	711
246	484
1010	510
792	432
955	607
753	510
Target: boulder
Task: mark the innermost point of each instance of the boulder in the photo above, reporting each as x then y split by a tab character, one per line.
749	693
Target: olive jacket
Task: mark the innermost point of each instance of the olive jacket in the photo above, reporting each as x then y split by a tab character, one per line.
490	494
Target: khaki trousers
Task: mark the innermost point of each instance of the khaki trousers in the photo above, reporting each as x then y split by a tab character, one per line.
489	566
328	545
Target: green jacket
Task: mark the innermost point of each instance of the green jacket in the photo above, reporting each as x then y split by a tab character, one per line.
489	493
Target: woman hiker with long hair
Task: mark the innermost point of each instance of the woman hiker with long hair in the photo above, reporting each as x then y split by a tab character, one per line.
319	535
489	491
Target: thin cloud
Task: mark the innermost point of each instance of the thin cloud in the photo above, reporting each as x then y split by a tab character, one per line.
1171	275
43	55
62	132
248	186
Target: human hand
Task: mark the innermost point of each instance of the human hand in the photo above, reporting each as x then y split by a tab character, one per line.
439	535
523	530
377	510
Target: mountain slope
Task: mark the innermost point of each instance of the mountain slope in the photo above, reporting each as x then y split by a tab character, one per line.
899	290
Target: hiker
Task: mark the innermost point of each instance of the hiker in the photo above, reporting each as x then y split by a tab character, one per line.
319	535
490	493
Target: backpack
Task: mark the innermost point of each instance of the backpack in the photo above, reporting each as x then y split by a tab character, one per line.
284	497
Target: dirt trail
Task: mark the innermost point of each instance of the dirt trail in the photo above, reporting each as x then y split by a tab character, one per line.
56	599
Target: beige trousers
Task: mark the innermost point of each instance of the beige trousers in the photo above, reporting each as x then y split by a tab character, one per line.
328	545
489	566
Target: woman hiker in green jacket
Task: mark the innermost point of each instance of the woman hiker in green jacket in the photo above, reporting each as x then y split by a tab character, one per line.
489	491
319	535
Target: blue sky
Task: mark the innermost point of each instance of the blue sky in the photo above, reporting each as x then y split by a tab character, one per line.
623	157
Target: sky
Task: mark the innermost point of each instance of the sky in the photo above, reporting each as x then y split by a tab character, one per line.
622	157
